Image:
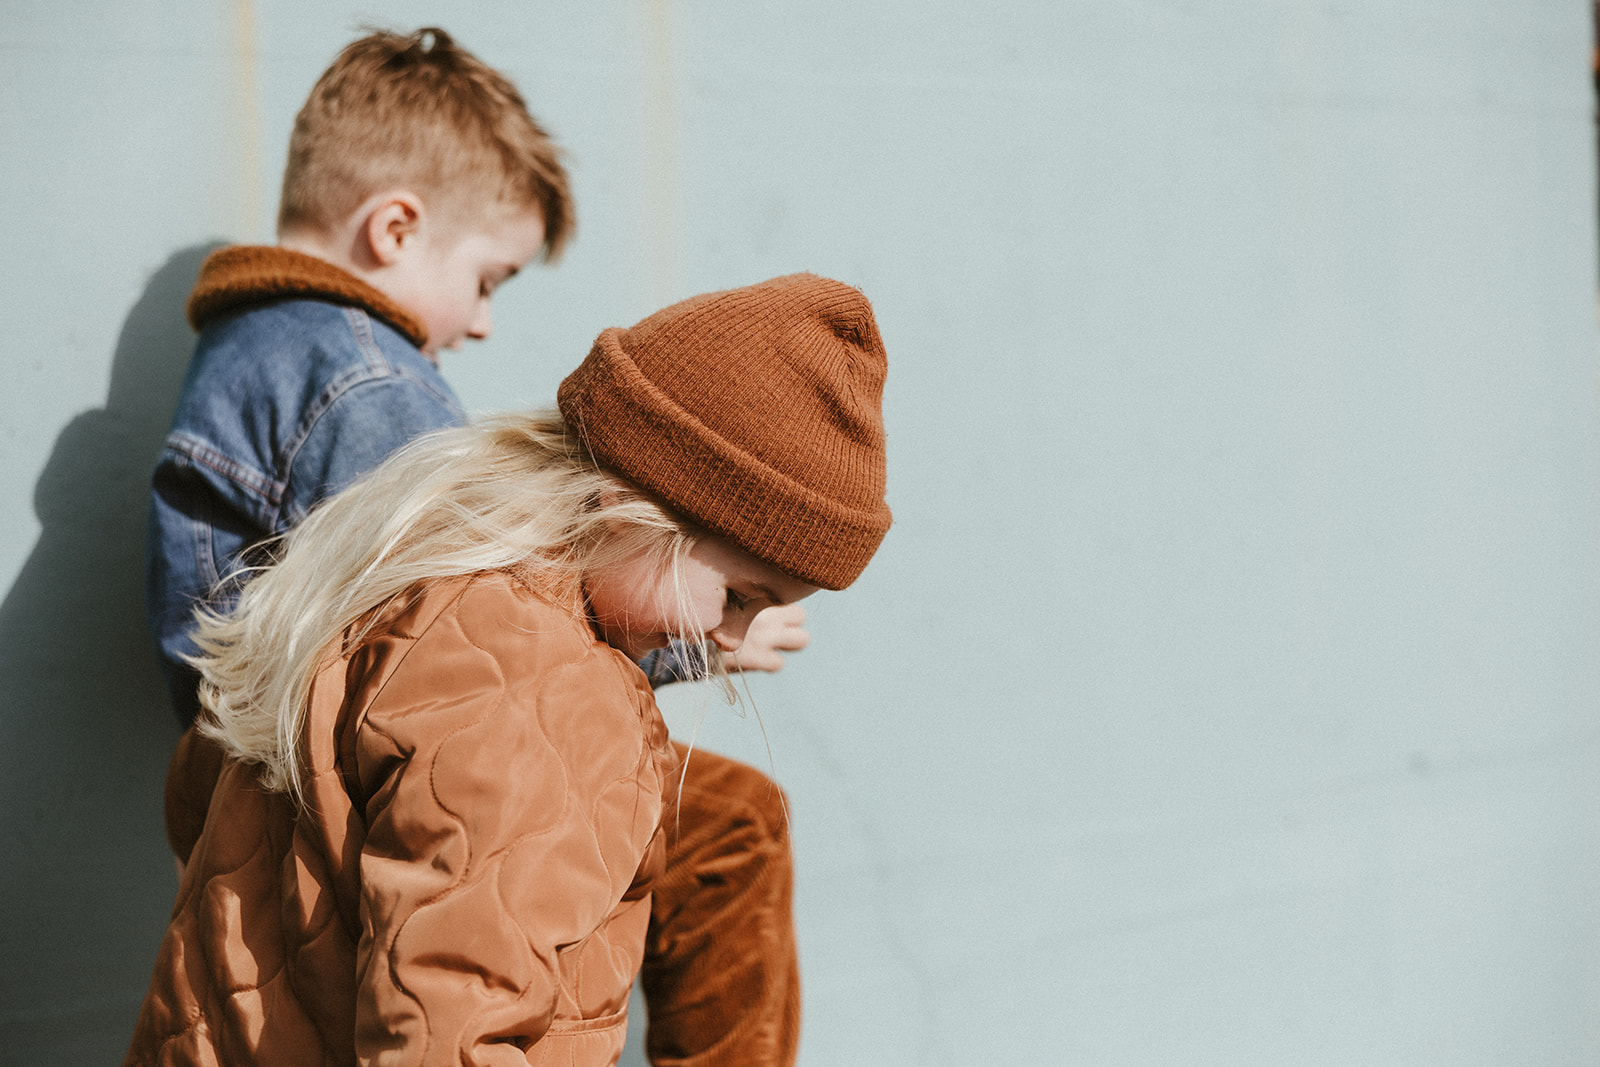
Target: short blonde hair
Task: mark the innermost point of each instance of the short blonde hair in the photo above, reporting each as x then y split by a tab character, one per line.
420	112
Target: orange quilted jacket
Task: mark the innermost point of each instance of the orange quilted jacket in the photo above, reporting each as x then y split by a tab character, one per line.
469	883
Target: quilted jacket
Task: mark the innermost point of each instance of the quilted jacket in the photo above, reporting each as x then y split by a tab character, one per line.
469	882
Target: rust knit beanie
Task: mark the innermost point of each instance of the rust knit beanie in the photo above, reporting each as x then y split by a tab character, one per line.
755	413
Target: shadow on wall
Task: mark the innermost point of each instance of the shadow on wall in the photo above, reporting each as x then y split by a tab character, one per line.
86	882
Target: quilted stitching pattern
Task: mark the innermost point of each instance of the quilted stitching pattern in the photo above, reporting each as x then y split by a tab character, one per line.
470	882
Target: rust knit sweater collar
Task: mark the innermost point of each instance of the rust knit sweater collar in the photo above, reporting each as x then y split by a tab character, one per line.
243	275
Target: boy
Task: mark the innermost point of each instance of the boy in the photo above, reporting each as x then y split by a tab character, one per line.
416	184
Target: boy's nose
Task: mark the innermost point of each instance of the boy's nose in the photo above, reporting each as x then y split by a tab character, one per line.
482	323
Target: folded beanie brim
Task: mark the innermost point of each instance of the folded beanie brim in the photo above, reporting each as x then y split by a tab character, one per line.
654	442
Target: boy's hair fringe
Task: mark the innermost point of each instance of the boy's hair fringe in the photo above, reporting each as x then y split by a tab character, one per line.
417	111
516	493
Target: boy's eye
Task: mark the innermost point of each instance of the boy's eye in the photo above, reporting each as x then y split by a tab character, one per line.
737	602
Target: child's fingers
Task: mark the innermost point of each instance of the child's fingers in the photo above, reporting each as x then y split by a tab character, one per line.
773	632
748	659
792	639
782	627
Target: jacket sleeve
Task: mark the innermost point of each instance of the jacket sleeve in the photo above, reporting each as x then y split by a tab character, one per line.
677	662
512	800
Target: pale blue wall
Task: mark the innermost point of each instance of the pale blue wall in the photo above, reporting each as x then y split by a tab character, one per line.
1226	692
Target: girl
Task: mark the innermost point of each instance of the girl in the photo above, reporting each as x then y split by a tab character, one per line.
436	824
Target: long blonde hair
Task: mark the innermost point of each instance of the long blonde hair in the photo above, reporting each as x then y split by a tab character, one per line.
515	492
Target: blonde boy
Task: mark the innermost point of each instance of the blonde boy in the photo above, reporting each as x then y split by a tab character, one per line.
417	183
418	169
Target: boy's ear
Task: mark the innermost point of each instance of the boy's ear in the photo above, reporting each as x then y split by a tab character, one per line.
392	226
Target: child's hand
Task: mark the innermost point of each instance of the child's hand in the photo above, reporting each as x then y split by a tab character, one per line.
772	632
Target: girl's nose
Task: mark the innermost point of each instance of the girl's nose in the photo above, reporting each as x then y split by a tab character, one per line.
730	636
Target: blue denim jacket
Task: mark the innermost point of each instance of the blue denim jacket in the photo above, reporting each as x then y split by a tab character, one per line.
284	404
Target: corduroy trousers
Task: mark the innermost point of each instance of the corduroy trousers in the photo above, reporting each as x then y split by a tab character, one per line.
721	974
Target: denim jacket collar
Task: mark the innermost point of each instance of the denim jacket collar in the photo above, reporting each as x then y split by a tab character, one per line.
244	275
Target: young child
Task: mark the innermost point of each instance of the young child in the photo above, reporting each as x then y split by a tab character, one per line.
416	183
435	833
